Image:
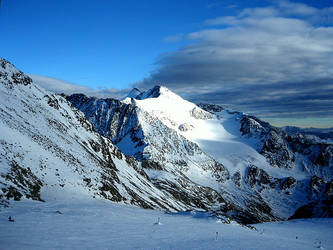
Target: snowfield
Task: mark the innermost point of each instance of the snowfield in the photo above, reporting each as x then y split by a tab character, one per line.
96	224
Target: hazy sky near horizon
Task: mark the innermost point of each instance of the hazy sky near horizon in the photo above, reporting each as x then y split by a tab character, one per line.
269	58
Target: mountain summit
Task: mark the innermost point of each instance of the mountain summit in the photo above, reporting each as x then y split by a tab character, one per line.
256	172
155	92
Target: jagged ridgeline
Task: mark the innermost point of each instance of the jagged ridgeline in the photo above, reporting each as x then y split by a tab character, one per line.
154	149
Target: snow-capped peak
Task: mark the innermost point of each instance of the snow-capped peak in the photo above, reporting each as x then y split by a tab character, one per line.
155	92
170	108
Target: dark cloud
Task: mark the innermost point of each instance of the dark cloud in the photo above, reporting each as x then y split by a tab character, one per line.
275	61
314	99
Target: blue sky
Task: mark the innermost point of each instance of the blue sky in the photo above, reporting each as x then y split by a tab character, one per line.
268	58
96	43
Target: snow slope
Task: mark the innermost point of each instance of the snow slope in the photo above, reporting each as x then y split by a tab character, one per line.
48	150
255	168
96	224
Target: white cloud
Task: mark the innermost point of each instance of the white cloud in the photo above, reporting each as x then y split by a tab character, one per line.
61	86
292	8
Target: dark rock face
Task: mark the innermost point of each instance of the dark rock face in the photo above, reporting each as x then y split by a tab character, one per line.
274	147
148	164
20	78
325	155
237	178
262	180
252	174
112	119
329	188
251	125
277	153
257	176
211	108
192	195
9	77
24	183
321	208
104	114
317	184
152	93
288	183
53	102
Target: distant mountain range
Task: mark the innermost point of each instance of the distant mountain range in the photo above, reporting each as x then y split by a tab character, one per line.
153	149
323	133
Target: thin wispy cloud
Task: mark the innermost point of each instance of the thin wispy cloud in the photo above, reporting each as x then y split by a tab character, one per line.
213	4
175	38
60	86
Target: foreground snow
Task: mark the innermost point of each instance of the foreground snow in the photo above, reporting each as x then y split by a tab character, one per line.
96	224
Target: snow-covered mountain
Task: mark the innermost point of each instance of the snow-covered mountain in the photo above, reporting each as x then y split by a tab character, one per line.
48	150
156	150
254	172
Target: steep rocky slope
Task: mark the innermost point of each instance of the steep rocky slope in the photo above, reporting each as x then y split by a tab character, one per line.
48	150
307	157
256	172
